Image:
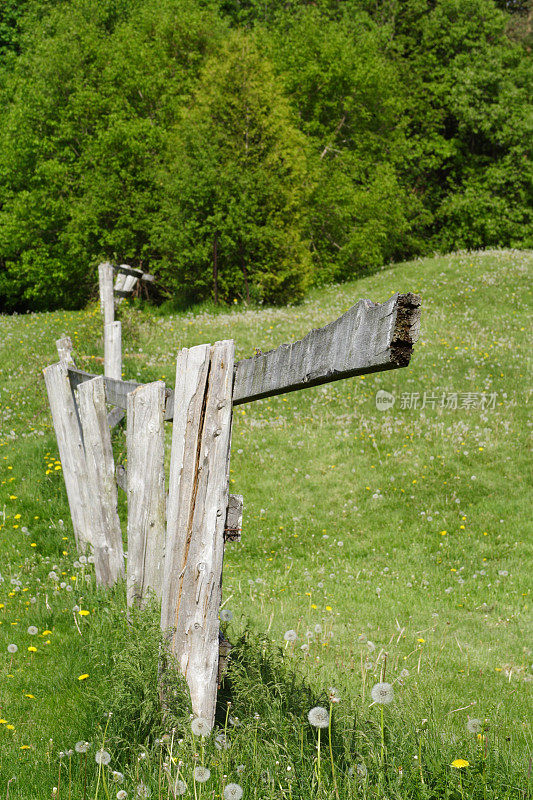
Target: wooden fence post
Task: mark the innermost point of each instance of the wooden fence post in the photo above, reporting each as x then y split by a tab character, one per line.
146	491
71	449
196	514
113	350
105	278
106	535
64	349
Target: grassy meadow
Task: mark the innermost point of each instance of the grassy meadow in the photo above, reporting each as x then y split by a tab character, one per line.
389	545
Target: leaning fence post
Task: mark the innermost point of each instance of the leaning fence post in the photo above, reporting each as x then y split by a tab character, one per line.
196	514
105	524
71	449
146	491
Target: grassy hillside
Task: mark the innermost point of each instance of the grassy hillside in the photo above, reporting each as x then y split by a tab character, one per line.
395	543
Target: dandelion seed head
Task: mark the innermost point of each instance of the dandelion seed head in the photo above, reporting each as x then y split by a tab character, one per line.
221	742
290	635
200	727
81	747
226	615
102	757
318	717
474	725
202	774
180	787
233	792
121	794
32	630
383	693
12	648
142	790
117	776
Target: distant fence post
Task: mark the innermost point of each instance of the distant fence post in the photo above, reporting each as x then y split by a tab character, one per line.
196	515
112	329
146	491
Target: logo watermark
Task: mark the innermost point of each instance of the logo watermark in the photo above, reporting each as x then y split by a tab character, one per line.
448	401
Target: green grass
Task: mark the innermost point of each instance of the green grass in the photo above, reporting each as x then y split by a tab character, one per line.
404	534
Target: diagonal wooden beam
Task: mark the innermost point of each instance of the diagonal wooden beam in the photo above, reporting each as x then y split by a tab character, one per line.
369	337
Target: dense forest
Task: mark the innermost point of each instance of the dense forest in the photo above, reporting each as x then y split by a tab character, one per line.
247	149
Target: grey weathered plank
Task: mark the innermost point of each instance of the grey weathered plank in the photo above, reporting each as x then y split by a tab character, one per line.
116	391
115	416
64	349
71	449
119	282
233	527
369	337
121	293
136	273
198	499
107	304
146	491
106	535
113	350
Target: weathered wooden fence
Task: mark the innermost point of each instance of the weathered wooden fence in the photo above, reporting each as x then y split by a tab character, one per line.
176	543
126	281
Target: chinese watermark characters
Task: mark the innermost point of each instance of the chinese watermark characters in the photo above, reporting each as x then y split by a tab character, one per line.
448	401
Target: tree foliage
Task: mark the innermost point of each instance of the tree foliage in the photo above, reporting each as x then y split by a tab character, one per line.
245	148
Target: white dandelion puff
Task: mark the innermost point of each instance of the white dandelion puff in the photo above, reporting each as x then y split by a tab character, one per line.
318	717
142	790
121	794
180	787
202	774
383	693
12	648
117	776
290	636
200	727
32	630
102	757
233	792
226	615
474	725
221	741
81	747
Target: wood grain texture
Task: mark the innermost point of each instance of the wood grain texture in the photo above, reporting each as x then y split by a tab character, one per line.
198	500
146	492
64	349
105	279
71	450
106	535
113	350
369	337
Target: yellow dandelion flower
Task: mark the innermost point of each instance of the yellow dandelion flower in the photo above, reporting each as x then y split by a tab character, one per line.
83	612
83	677
31	696
421	640
3	721
32	649
46	633
10	727
459	763
25	747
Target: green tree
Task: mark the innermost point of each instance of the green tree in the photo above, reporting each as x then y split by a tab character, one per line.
232	224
